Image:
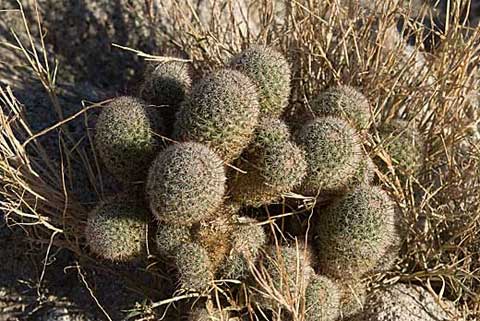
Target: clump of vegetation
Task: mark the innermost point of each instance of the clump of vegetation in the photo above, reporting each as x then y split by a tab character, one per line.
222	113
116	230
186	184
270	72
195	271
322	299
272	165
403	145
354	232
333	155
125	137
349	225
343	102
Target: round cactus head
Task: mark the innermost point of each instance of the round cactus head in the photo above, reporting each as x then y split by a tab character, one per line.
272	165
167	83
117	231
246	239
403	144
332	152
270	72
125	137
170	237
343	102
186	184
354	232
365	172
322	299
195	270
222	113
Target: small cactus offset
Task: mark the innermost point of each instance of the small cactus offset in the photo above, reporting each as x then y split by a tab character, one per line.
247	238
125	137
170	237
333	154
344	102
186	184
274	165
404	146
270	72
195	271
354	232
222	113
117	230
365	172
322	299
167	85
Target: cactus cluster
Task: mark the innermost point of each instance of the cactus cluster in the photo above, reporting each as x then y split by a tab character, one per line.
231	157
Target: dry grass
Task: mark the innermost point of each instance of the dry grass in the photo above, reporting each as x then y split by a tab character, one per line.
327	42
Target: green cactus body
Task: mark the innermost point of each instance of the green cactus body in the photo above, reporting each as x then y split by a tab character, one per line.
246	239
167	85
270	72
117	231
343	102
186	184
222	113
170	237
365	172
333	155
274	165
404	145
322	299
125	137
353	233
195	270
